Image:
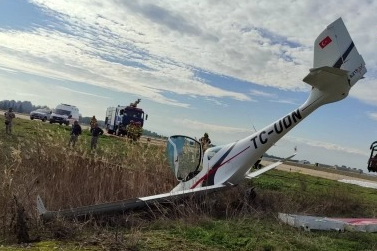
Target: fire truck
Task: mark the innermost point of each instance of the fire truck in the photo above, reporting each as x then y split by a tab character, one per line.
117	118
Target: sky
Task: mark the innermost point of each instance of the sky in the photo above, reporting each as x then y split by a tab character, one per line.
221	67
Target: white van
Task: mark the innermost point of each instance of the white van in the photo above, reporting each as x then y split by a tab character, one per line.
65	114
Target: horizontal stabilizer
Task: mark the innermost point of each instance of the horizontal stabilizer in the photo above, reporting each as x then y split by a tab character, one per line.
325	78
329	84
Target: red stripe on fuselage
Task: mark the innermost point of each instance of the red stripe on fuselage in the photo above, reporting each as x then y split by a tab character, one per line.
214	169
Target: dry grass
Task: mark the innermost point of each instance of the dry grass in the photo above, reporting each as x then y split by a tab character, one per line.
41	164
66	178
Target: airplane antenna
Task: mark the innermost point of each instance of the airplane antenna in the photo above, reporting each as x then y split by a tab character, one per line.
255	130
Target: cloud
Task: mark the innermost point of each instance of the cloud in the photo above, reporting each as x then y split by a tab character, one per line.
200	126
26	95
217	102
75	59
150	48
8	70
276	99
365	91
170	19
262	94
325	145
285	101
84	93
372	115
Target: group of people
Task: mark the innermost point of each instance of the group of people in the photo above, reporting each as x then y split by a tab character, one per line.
76	130
134	131
95	132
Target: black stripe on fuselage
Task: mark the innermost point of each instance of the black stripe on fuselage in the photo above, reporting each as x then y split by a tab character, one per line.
339	62
211	178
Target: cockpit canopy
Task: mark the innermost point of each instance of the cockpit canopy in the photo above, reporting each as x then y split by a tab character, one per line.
184	156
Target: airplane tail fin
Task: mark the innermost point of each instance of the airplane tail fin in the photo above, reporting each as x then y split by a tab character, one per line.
337	64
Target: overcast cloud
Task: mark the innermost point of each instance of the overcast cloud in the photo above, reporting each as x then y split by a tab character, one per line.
247	40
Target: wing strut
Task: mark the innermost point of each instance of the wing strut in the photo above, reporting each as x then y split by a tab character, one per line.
267	168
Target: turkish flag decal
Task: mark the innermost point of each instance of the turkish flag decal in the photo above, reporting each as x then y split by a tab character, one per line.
327	40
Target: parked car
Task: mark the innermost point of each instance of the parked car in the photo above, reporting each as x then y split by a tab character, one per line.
42	114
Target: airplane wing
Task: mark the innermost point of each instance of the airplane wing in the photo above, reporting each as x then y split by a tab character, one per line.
141	202
124	205
254	174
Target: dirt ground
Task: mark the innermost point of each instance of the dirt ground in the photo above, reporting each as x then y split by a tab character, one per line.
317	173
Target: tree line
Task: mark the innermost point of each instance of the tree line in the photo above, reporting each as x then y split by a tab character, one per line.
20	106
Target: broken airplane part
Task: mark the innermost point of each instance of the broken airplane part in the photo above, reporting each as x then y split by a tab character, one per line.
337	67
310	223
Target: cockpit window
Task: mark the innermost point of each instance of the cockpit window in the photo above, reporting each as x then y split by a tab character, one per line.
184	156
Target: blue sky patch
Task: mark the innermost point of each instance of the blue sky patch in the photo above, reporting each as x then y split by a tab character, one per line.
22	15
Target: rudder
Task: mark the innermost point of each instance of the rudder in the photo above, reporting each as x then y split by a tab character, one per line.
334	48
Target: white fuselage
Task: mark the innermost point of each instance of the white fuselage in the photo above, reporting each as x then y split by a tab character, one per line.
233	161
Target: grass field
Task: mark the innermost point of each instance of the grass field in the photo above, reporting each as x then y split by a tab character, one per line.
36	160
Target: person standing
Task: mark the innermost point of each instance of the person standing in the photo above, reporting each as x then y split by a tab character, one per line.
130	130
95	134
205	142
75	132
9	116
139	130
93	120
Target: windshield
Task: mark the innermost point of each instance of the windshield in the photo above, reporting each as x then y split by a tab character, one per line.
62	112
42	110
134	114
184	156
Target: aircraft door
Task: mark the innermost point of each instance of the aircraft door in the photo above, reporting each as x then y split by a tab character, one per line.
184	156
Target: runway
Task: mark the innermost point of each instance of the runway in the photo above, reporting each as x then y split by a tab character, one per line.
326	173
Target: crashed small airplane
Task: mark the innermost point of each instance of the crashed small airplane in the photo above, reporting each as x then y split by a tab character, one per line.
337	67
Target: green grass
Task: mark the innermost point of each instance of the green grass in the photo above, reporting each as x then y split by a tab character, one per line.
237	234
36	160
48	245
267	234
315	195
